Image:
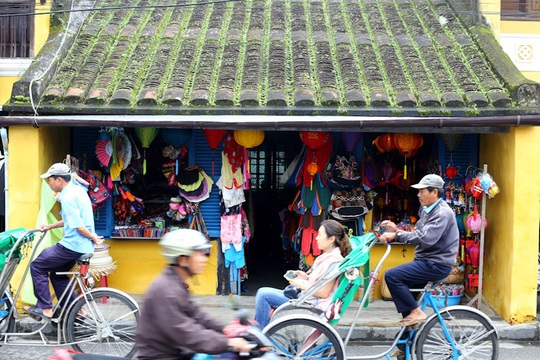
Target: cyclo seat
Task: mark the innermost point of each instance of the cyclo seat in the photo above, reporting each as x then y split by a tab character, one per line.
84	257
349	280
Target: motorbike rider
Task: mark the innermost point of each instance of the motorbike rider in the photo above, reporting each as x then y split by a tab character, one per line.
171	325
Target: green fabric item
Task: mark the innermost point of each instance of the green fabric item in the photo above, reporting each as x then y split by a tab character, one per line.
45	216
358	256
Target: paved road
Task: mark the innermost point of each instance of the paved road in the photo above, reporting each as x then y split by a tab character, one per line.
509	350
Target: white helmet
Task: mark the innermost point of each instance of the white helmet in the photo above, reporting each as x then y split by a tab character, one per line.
182	242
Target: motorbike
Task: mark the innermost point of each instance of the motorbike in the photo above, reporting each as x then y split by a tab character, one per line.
239	327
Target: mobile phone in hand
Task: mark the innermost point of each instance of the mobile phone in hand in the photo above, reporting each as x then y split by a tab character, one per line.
290	275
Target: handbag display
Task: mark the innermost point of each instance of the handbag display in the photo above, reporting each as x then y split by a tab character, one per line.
349	204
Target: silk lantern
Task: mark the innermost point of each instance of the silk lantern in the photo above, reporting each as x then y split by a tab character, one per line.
313	140
249	138
214	136
384	143
407	143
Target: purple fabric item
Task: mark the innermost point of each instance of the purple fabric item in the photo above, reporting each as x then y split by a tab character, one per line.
56	258
197	195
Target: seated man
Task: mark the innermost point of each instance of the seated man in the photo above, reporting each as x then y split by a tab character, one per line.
79	238
171	325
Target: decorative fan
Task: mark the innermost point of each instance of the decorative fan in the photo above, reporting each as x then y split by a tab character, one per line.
104	151
125	150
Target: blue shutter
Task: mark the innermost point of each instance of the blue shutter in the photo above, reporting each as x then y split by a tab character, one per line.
201	154
464	155
84	142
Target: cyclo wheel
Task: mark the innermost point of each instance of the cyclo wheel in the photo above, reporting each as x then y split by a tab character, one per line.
103	325
7	320
304	338
288	309
474	337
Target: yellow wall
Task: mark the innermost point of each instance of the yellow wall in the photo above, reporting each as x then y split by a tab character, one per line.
520	27
6	84
139	262
30	153
400	254
41	33
526	28
491	10
511	239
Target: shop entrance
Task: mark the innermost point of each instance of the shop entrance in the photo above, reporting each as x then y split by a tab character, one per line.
266	257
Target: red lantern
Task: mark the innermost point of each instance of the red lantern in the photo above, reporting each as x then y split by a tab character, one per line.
213	136
314	139
451	172
473	252
384	143
407	143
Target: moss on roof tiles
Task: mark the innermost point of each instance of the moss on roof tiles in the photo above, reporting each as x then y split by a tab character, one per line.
264	54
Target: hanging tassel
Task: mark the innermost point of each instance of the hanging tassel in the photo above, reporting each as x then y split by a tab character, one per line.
213	156
144	162
405	169
176	171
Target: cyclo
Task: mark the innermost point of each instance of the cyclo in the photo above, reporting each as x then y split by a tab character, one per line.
298	330
99	320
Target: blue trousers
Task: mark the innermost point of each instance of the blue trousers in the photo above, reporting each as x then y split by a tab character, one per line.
266	299
415	274
56	258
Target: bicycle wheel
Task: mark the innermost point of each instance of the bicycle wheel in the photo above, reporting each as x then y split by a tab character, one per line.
301	338
7	321
474	337
103	325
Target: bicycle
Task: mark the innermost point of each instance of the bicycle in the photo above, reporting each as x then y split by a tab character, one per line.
451	332
98	321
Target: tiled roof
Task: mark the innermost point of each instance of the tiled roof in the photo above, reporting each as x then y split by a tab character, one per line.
342	56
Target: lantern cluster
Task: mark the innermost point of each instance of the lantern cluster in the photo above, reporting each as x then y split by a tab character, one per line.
406	143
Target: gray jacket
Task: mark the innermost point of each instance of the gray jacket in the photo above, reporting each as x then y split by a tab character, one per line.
172	326
436	235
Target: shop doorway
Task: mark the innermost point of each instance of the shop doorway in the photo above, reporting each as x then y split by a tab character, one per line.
266	257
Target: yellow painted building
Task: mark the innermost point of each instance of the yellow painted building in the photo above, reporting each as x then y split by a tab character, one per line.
511	238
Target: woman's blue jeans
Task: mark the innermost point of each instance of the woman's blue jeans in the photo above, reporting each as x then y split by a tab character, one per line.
267	298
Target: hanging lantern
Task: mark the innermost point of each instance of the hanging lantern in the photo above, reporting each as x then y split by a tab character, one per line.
406	143
384	143
146	136
473	252
249	138
176	137
214	136
451	171
474	222
314	139
388	173
350	140
312	169
451	141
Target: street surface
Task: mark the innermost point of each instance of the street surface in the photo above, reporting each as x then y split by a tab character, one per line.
508	350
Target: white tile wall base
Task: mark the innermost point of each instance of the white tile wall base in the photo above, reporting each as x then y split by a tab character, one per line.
14	67
524	50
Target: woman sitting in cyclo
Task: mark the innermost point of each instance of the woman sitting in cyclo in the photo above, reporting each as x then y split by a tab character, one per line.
333	241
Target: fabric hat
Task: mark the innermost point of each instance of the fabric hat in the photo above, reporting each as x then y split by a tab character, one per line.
430	180
58	169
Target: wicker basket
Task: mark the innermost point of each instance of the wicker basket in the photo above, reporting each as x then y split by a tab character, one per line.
456	276
360	294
